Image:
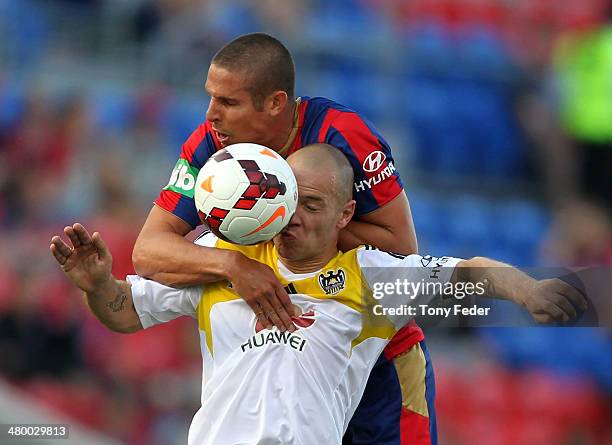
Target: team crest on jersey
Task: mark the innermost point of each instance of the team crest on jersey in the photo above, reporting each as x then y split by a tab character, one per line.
332	281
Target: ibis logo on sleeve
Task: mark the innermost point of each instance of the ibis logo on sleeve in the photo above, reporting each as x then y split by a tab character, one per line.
332	281
182	179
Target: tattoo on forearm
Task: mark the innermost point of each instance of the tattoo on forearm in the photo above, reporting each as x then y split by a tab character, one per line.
118	304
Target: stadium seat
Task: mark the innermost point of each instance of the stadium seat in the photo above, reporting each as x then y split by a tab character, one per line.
329	23
425	105
12	103
585	352
234	19
25	30
111	110
469	224
483	54
429	49
521	226
179	118
485	119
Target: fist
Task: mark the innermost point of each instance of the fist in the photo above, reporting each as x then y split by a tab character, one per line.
554	300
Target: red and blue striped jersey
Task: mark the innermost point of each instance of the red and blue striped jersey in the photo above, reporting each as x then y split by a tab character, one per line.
319	120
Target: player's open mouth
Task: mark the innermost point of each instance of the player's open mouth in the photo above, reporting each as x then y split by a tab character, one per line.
287	234
222	138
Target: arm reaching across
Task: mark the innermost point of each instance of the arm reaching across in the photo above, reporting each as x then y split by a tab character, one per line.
163	254
546	300
87	264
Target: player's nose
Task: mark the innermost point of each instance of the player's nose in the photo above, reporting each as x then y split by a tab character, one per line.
295	218
212	113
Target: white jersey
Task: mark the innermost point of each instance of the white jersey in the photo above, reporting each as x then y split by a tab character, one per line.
263	386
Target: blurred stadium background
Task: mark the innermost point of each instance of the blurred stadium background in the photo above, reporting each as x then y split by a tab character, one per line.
492	108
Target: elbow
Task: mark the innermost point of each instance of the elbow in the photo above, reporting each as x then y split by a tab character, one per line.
140	260
405	245
472	270
145	264
145	267
129	329
402	241
464	271
411	247
477	261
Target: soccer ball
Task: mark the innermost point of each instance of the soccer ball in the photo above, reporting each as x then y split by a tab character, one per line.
246	193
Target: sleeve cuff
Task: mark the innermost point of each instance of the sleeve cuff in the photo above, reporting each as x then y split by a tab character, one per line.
139	300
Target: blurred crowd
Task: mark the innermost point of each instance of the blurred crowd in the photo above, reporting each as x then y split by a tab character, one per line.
500	116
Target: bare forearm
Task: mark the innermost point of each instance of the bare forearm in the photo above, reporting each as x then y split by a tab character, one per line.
170	259
499	279
359	232
112	304
546	300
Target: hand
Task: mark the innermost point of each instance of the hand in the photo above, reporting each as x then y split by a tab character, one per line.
553	300
88	262
258	286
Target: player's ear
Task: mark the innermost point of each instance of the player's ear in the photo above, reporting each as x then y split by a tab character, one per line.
347	212
276	102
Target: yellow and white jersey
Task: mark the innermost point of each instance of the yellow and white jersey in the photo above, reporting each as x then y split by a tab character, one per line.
269	387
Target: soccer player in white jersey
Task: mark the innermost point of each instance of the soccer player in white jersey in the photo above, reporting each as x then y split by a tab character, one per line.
264	386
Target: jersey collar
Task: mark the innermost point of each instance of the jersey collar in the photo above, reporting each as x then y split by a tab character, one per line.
287	276
294	131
